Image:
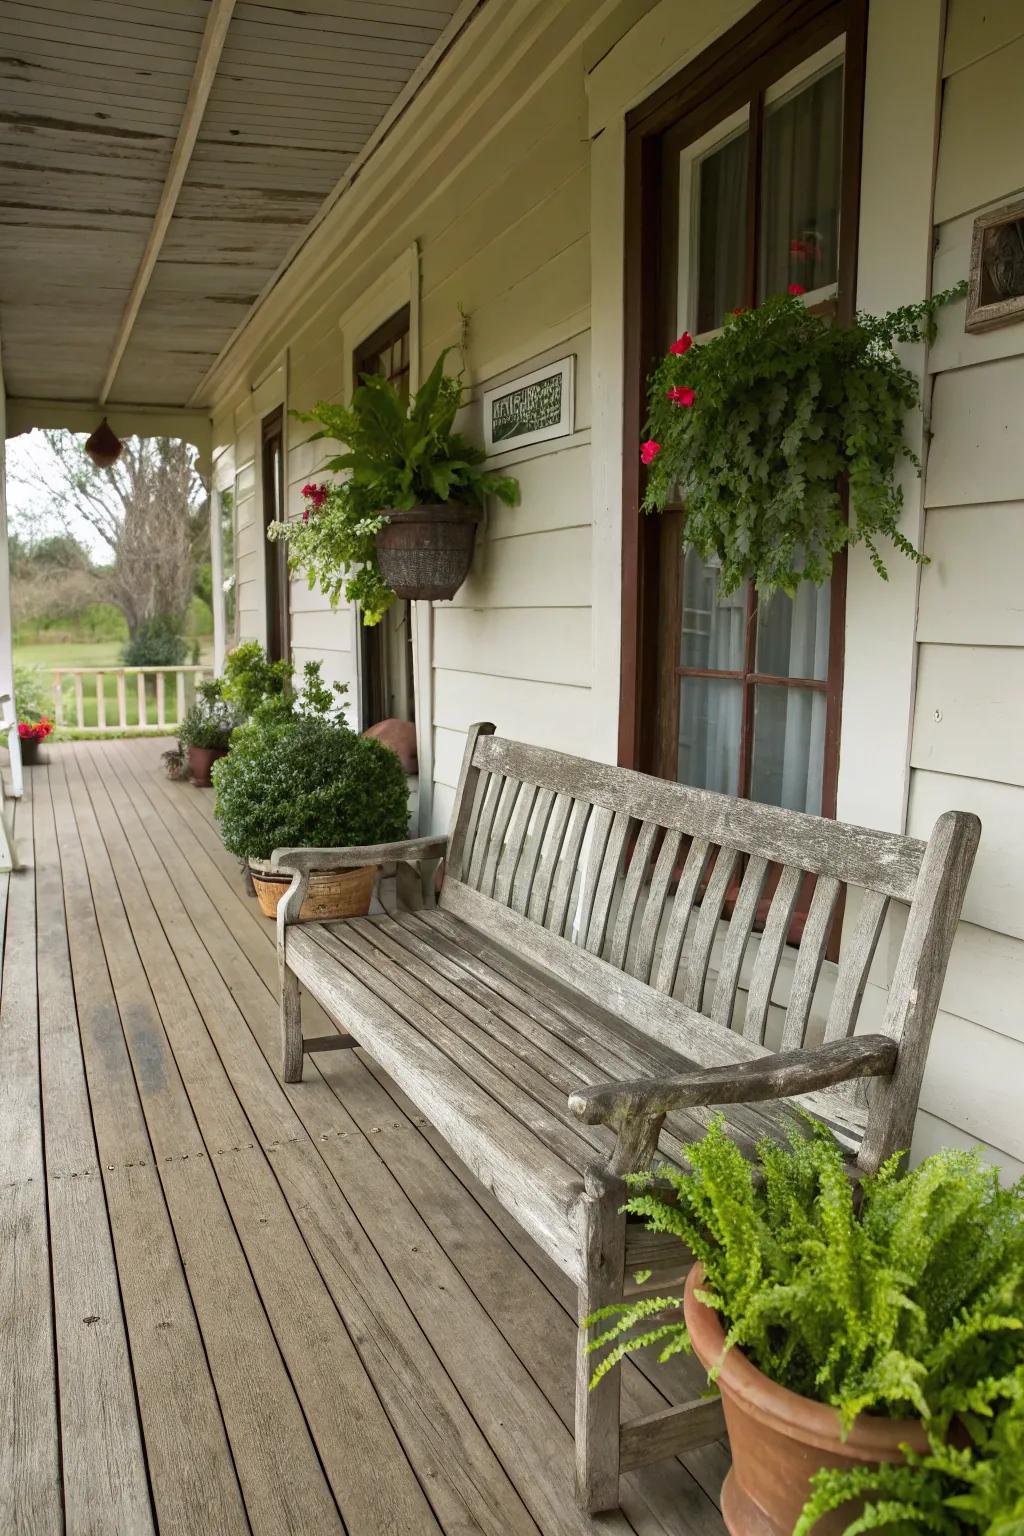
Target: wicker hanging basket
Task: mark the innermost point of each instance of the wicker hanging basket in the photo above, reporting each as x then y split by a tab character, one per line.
426	553
332	892
104	446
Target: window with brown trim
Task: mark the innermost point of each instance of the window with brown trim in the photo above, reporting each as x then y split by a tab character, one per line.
386	659
742	178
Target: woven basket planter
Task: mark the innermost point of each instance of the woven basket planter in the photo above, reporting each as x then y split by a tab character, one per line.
332	892
426	553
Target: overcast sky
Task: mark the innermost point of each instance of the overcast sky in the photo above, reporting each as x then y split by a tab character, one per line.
28	499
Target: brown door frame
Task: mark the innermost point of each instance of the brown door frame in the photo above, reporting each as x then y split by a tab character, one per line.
770	40
275	553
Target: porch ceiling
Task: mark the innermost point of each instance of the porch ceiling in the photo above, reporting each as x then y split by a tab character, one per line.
96	106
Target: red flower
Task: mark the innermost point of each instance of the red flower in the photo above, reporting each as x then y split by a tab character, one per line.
683	345
649	451
796	288
682	394
34	730
317	494
740	309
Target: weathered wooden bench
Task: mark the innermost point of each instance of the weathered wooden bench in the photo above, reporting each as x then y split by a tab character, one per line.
598	972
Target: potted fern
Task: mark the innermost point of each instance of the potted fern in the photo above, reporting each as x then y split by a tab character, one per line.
401	521
204	734
859	1343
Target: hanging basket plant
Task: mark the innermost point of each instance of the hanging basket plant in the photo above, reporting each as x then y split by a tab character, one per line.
758	428
401	519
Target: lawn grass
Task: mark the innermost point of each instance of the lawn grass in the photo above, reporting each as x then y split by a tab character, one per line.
103	653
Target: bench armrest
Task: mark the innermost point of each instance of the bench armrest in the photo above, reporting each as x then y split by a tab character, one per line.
305	860
637	1107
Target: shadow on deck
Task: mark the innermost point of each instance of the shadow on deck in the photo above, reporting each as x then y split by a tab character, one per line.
229	1305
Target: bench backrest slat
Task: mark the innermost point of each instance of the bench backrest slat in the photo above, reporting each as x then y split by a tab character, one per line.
661	886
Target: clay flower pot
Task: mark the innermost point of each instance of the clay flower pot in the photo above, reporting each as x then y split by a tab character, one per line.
200	761
426	552
332	892
779	1439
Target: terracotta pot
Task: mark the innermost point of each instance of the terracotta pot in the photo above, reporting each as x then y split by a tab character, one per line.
426	552
778	1438
332	892
200	761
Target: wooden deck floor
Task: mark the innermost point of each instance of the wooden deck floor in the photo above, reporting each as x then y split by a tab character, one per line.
231	1306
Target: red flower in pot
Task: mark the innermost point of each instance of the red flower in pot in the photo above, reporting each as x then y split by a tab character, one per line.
32	732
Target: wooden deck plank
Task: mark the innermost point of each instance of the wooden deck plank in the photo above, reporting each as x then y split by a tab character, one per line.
103	1465
193	1478
445	1337
455	1463
281	1477
30	1485
188	839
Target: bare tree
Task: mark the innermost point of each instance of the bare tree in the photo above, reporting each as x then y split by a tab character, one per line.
149	511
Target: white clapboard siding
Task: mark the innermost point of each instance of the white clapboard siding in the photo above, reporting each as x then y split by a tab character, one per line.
974	30
449	747
975	454
985	980
973	1080
981	145
553	643
932	1133
544	714
321	628
995	895
968	717
971	591
554	491
538	570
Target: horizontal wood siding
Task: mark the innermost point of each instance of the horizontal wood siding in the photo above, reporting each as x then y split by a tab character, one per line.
967	745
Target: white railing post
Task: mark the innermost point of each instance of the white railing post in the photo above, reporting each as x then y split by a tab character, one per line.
161	712
101	701
122	702
58	699
79	703
179	695
140	689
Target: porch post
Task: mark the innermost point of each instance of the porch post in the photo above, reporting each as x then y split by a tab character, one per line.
6	638
217	580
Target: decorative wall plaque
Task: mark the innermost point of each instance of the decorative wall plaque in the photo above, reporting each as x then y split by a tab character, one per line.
995	292
530	409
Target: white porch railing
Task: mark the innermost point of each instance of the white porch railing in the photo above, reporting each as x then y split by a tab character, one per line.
134	703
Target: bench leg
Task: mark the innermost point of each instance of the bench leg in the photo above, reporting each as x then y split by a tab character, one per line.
602	1233
291	1027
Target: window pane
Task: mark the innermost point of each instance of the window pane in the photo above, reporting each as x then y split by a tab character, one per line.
712	628
800	187
789	747
720	210
792	633
710	719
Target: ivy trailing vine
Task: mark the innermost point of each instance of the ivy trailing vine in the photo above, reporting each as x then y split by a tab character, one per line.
757	428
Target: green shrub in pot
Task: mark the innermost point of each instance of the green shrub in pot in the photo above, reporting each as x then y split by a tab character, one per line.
208	721
903	1303
249	678
299	776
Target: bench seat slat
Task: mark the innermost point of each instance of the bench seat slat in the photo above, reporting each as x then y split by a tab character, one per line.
525	1176
603	1036
671	1022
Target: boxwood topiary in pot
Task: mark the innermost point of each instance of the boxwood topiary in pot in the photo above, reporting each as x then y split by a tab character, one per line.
869	1353
299	776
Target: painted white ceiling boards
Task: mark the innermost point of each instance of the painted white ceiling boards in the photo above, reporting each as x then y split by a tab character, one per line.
161	159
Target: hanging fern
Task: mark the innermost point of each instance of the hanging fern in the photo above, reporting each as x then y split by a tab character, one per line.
757	428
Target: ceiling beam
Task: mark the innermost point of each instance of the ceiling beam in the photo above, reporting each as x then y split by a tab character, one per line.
214	36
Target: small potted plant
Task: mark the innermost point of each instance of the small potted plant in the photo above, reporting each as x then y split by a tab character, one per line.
402	519
845	1334
31	733
298	776
204	734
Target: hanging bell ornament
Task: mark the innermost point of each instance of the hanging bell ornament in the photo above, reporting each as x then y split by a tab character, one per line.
104	446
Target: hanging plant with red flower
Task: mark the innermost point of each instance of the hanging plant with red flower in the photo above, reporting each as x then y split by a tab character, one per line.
35	730
758	428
